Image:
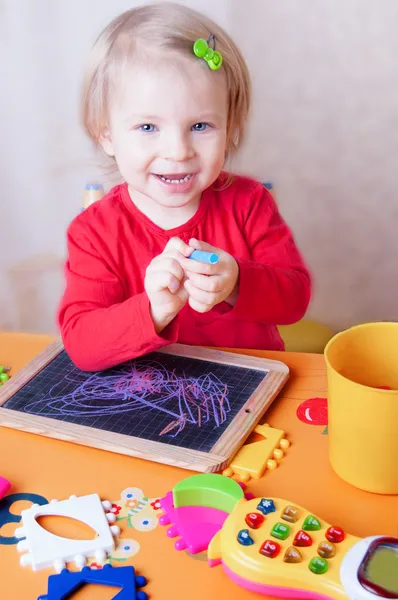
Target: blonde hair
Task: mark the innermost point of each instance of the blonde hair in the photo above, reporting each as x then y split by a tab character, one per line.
163	25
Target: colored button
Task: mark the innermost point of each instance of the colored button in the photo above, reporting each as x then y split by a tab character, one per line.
280	531
311	523
266	506
327	550
290	514
270	549
335	534
254	520
292	555
317	565
302	539
244	538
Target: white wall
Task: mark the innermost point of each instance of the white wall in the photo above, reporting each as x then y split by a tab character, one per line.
324	129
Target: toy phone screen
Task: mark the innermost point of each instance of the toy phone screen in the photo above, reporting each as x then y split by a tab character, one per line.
378	571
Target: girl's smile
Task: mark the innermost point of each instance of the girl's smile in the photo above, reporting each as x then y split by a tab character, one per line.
177	184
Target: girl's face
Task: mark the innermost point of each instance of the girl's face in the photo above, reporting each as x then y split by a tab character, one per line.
167	132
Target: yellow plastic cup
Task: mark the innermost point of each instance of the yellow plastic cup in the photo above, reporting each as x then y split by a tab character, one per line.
363	420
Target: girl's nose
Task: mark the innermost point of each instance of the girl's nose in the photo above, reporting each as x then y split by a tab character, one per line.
178	147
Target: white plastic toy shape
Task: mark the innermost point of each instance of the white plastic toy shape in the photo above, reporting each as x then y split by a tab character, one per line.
44	549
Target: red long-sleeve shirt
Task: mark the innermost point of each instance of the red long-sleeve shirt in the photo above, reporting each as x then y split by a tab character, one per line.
104	314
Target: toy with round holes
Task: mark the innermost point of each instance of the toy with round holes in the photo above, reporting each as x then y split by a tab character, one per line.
277	548
253	459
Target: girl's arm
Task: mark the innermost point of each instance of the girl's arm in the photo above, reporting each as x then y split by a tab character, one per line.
99	326
275	285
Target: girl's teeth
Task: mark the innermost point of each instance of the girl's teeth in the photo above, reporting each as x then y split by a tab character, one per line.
183	180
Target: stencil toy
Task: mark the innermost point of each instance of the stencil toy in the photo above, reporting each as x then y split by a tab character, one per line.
277	548
64	585
253	459
44	549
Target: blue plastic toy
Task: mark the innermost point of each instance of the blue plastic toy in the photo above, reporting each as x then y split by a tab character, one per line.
60	587
266	506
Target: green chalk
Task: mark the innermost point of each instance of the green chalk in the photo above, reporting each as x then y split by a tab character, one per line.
211	490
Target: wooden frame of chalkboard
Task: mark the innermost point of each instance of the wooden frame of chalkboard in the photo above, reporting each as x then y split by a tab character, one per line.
223	450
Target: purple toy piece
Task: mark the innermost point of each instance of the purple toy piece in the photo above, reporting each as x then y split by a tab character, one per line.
196	525
4	486
248	495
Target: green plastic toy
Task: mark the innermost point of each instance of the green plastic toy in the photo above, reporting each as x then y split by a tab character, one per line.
211	490
3	374
202	49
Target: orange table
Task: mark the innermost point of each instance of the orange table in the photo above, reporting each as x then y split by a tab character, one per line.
56	469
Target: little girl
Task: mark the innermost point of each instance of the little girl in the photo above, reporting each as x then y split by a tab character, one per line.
169	111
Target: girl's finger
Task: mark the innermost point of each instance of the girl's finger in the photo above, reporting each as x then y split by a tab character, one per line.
194	266
161	280
206	298
206	283
201	308
167	264
175	244
199	245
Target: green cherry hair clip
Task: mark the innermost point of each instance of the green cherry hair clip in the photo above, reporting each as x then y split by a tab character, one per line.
202	49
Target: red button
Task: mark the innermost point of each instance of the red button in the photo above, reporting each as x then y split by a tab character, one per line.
335	534
302	539
270	549
254	520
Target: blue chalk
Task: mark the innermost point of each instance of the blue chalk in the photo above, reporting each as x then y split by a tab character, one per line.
206	257
244	538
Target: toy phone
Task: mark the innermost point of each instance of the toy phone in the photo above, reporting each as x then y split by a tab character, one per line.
273	547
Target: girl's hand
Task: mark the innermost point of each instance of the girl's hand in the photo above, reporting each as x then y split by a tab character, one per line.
208	285
164	283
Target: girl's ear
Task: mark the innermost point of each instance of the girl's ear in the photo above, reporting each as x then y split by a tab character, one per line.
105	142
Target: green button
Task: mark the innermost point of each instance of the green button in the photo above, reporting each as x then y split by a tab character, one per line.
280	531
317	565
311	523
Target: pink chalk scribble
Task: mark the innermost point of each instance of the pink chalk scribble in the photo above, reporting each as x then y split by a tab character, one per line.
134	387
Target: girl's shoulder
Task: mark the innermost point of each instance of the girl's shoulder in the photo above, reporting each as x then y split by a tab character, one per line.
101	213
241	191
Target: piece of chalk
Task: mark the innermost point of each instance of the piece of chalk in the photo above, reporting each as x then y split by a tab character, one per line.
206	257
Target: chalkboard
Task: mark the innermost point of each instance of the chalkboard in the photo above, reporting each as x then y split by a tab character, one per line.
185	403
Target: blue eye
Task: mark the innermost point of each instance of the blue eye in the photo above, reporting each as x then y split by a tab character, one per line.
145	522
127	548
129	496
147	128
200	126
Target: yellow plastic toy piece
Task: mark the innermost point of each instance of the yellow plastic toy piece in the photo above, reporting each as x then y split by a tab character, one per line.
283	564
252	459
305	336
